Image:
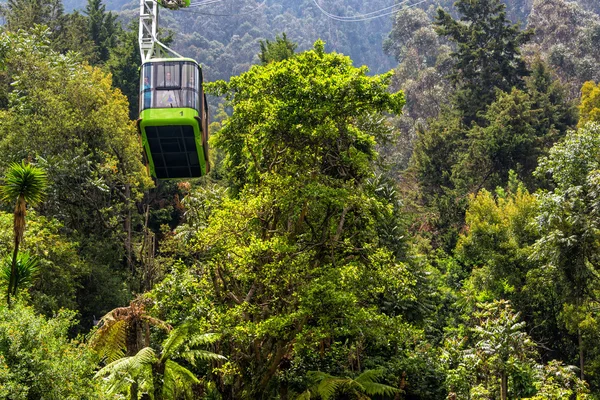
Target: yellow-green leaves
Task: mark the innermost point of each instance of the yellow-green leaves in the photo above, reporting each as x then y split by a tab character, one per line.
589	108
301	116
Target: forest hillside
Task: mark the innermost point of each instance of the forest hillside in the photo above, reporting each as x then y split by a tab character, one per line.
400	207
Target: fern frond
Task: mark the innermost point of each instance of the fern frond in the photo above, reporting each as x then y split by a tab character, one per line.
178	381
184	338
370	375
307	395
204	339
326	385
193	356
176	339
369	380
118	376
379	389
109	340
144	357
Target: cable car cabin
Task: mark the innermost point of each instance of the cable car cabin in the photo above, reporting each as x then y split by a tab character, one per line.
174	118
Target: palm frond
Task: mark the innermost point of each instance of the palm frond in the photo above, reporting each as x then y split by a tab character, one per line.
26	269
24	180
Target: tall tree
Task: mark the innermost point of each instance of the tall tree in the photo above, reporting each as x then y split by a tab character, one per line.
568	221
487	55
294	246
24	183
278	50
103	28
566	37
23	14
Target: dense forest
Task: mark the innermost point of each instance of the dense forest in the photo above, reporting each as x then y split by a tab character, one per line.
406	207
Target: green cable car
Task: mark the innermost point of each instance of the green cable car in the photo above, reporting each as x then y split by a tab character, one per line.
173	119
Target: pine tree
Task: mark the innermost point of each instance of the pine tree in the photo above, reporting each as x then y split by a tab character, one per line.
103	28
278	50
487	56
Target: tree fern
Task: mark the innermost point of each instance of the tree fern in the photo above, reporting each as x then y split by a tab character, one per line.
119	375
117	326
161	377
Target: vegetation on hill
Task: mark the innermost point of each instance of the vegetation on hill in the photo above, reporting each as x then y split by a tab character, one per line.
429	232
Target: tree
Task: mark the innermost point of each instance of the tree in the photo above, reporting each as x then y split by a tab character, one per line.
26	269
278	50
124	65
22	14
567	221
124	331
24	183
498	350
103	29
71	117
294	245
487	57
565	37
589	109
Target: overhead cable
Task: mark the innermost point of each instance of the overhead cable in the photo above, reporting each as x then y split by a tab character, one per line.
187	10
203	3
368	16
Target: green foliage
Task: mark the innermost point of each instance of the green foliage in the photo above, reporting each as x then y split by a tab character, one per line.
26	269
487	57
589	109
158	375
70	118
567	216
296	267
497	350
124	331
316	101
103	29
451	160
328	387
566	36
124	65
22	184
558	381
22	14
38	361
279	50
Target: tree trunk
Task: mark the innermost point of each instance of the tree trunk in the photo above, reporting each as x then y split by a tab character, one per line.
18	229
503	385
13	272
128	227
580	340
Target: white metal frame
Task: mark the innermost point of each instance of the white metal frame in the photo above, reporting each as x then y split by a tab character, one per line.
150	46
